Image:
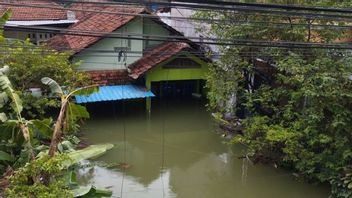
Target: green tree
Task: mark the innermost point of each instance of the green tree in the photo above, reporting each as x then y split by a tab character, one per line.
29	63
298	116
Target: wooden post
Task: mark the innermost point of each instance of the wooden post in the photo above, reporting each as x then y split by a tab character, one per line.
161	89
148	101
198	87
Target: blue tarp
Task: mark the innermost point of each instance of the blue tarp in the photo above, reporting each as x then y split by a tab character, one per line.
116	92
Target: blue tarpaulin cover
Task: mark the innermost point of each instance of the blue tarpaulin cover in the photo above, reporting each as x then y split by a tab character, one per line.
115	92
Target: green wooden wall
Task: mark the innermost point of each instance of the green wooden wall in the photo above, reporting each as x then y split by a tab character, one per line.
159	73
109	61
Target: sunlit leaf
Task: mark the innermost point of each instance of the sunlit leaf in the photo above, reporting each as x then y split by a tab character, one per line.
90	152
53	85
5	70
3	117
85	91
5	17
16	102
3	99
91	191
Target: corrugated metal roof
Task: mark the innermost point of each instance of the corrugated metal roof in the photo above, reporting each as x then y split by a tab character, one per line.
116	92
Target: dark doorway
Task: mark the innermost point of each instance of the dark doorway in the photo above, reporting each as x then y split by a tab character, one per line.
177	89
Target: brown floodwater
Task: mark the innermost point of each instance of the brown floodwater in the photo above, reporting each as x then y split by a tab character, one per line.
176	152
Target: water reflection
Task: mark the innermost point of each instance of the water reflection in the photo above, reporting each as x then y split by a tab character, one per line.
175	153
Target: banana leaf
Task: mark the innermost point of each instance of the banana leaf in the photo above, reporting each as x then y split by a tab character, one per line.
43	127
91	192
9	92
53	85
5	157
90	152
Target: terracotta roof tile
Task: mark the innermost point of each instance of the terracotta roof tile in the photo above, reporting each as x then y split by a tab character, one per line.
98	22
23	13
110	77
156	56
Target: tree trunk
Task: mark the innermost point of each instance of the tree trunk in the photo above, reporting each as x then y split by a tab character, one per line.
58	129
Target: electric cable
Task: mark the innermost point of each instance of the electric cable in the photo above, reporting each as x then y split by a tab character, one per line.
226	42
238	9
214	2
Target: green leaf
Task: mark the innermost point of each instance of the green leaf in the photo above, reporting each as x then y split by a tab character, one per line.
5	156
90	152
82	190
3	117
5	17
43	127
78	111
4	70
349	186
90	192
3	99
53	85
16	102
73	178
86	91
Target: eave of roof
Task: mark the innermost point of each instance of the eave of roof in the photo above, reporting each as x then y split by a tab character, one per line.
23	13
114	93
39	22
156	56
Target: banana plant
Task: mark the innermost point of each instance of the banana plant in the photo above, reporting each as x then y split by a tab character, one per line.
69	112
9	95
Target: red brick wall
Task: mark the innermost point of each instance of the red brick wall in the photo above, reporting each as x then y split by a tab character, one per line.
110	77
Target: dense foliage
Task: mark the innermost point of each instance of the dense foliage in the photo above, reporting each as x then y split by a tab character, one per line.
29	63
298	114
31	167
27	181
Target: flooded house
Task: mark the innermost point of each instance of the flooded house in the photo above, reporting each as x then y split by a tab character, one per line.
128	49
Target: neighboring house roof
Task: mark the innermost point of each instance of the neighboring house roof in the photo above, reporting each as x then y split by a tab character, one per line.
39	22
188	27
23	13
97	22
155	56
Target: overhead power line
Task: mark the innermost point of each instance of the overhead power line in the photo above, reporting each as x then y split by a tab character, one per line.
198	6
253	23
271	6
191	3
175	38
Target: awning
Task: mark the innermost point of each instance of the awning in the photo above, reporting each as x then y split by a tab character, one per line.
116	92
